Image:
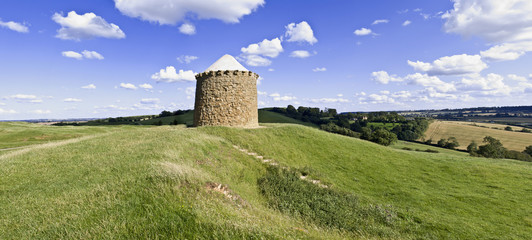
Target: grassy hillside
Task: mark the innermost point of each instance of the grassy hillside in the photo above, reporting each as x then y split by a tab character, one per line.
465	133
187	119
273	117
174	182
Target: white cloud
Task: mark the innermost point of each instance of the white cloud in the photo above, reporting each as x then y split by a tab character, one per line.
430	81
362	32
401	94
300	54
406	23
39	111
339	95
259	80
329	100
72	54
85	54
190	92
92	55
271	70
277	97
72	100
494	20
256	61
15	26
379	21
170	75
384	78
492	84
301	32
149	101
187	28
146	86
451	65
86	26
186	59
174	11
507	51
23	97
7	111
376	98
268	48
318	69
90	86
36	101
516	78
128	86
262	93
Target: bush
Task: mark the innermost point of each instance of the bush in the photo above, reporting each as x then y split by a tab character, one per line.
492	149
383	137
508	128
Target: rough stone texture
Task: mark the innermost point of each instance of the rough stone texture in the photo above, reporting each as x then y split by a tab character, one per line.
226	98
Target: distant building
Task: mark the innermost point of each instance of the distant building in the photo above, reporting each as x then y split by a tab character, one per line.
226	95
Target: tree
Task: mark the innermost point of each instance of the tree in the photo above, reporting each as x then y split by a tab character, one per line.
365	133
472	147
442	142
291	110
175	122
492	149
383	137
528	150
508	128
159	123
451	143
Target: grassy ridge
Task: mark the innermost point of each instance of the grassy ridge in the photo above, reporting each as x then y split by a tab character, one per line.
467	133
157	182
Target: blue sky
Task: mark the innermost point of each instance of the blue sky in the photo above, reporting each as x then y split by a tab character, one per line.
105	58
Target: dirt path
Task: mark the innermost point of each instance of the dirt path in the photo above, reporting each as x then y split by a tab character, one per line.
5	149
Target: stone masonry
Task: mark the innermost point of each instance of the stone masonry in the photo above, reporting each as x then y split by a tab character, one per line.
226	98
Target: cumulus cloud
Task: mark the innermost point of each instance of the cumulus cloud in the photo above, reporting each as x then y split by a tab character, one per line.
149	101
187	28
173	11
516	78
451	65
72	54
256	60
24	98
146	86
277	97
329	100
378	98
379	21
15	26
406	23
300	54
186	59
268	48
7	111
170	75
128	86
384	78
507	51
301	32
492	84
319	69
90	86
92	55
494	20
72	100
86	26
40	111
430	81
362	32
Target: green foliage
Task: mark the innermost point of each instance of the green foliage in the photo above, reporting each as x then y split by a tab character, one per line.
492	149
450	143
526	130
472	148
333	128
287	192
411	130
508	128
528	150
383	137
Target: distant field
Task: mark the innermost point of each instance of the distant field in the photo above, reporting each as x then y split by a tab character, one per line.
187	119
465	133
273	117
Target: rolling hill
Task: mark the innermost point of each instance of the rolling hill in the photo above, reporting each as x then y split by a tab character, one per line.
465	132
281	181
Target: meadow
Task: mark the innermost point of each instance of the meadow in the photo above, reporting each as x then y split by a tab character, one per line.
172	182
464	132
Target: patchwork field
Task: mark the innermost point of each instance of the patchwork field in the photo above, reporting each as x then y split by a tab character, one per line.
464	132
172	182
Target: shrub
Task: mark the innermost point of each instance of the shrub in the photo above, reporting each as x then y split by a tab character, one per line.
492	149
508	128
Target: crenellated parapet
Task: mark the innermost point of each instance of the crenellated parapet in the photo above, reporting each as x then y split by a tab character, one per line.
226	72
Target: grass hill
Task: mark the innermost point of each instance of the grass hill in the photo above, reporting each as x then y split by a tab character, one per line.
216	182
465	132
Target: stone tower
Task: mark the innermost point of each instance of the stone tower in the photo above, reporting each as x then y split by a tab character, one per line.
226	95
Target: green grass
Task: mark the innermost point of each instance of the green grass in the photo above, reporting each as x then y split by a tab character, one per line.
273	117
156	182
187	119
388	126
423	147
19	134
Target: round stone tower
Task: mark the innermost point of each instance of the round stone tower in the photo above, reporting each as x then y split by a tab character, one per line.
226	95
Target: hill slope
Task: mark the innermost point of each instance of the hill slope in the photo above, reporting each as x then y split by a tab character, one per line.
172	182
465	133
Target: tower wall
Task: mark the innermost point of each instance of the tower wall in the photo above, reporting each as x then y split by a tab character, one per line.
226	98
